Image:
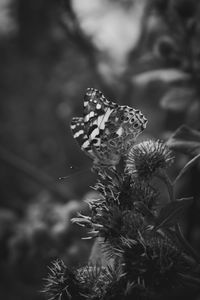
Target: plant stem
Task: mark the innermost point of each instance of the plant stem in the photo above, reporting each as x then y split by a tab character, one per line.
185	243
165	178
190	280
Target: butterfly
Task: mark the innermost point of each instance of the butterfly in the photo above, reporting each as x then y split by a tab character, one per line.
106	131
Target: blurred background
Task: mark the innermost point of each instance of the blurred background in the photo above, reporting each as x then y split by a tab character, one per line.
140	53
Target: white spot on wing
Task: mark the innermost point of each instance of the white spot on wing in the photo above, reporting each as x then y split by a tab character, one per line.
99	120
120	131
89	116
85	144
94	133
78	133
105	118
98	106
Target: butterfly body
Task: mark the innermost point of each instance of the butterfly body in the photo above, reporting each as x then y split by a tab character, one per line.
107	130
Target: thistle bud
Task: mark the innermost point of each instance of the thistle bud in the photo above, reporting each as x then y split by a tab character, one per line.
147	158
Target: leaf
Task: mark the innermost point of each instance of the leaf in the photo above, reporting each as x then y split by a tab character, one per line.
188	248
164	75
81	221
187	167
171	212
178	99
190	280
185	140
143	209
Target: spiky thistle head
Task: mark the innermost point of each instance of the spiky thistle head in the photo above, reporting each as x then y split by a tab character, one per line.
121	209
124	190
98	280
124	205
61	282
144	194
147	158
154	264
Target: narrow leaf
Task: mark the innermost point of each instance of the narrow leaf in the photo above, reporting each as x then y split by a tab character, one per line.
171	212
185	140
165	75
81	221
142	208
190	280
191	163
188	248
178	98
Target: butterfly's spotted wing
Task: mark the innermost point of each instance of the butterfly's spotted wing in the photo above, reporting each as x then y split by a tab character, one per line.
78	131
97	110
106	129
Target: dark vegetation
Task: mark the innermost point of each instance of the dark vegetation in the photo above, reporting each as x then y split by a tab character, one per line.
48	59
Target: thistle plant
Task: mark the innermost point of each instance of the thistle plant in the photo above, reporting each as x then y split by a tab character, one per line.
147	158
138	231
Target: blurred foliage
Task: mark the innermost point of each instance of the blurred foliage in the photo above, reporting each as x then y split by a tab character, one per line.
138	52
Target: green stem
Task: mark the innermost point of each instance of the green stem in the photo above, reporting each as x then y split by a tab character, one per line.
165	178
190	279
186	245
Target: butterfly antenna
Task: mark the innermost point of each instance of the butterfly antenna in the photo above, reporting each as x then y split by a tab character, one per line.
74	173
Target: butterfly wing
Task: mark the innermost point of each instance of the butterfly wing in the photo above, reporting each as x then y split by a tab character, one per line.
95	103
106	129
78	130
97	110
